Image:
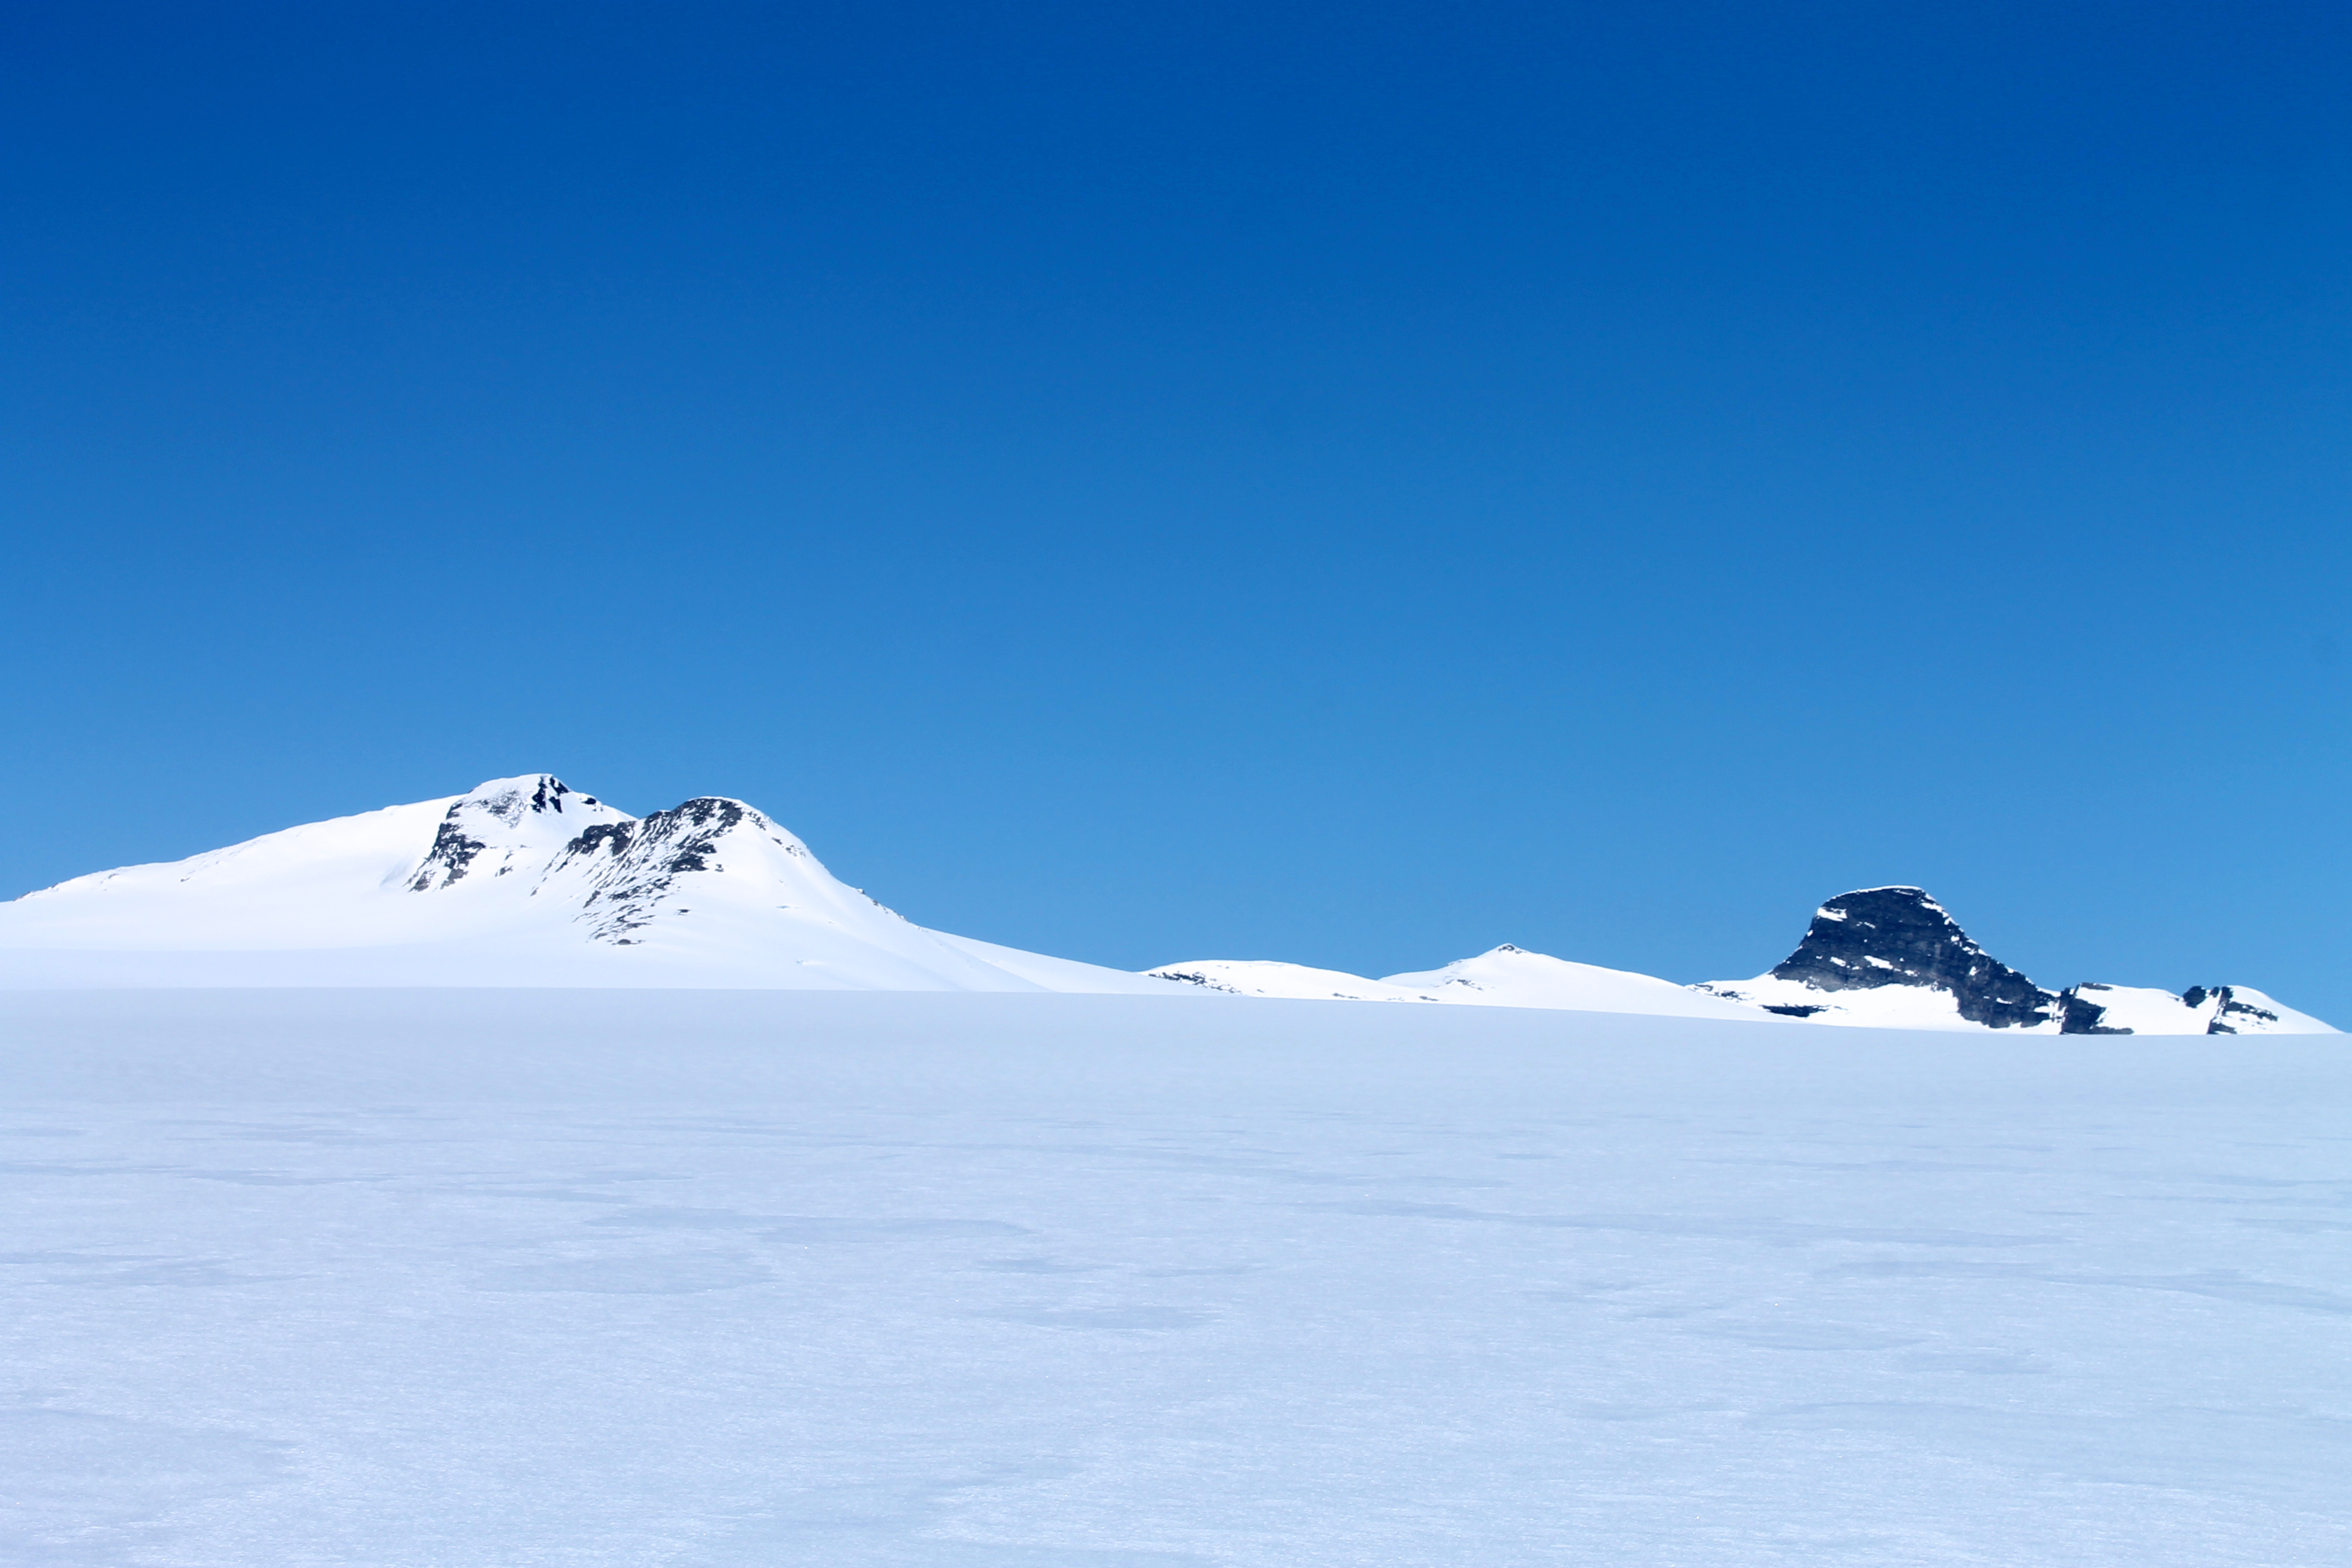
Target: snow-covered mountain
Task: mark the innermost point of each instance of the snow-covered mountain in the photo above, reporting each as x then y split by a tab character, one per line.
526	881
1887	958
1504	976
1893	958
521	881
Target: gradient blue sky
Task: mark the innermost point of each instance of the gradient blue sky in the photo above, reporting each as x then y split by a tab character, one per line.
1351	484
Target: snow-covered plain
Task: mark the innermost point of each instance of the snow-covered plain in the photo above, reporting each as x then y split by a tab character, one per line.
488	1278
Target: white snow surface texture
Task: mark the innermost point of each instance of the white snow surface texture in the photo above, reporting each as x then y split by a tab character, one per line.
495	1278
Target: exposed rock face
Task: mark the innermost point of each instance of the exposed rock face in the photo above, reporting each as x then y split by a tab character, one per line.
2095	1009
1900	936
2081	1014
2232	1014
506	824
1891	957
634	865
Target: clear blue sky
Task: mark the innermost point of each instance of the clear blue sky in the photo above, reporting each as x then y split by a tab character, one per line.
1353	484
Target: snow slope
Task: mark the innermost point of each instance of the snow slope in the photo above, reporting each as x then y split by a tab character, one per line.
2095	1009
740	1280
520	882
1510	976
1295	982
1504	976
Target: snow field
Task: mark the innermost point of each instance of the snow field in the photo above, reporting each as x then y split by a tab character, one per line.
484	1279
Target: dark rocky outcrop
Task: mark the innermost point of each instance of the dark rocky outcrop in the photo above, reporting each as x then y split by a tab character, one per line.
1879	937
634	865
2232	1015
453	851
470	823
2080	1013
1900	936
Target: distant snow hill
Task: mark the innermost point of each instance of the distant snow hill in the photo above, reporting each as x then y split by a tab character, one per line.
527	882
1506	976
523	881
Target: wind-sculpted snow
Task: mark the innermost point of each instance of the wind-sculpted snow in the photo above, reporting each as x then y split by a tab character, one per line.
743	1280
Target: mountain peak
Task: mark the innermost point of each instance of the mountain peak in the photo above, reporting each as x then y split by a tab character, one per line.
508	799
631	867
1900	936
488	826
1893	958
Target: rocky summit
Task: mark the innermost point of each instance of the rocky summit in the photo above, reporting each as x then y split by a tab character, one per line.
1893	958
1900	936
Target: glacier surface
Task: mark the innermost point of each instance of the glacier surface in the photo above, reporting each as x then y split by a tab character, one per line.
485	1279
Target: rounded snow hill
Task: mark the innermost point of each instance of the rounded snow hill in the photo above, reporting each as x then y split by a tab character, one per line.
1296	982
1504	976
1510	976
520	882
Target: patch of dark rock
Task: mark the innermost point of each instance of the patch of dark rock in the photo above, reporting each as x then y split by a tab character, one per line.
1900	936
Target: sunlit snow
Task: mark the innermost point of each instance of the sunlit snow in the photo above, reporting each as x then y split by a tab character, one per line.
1506	976
520	882
483	1279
